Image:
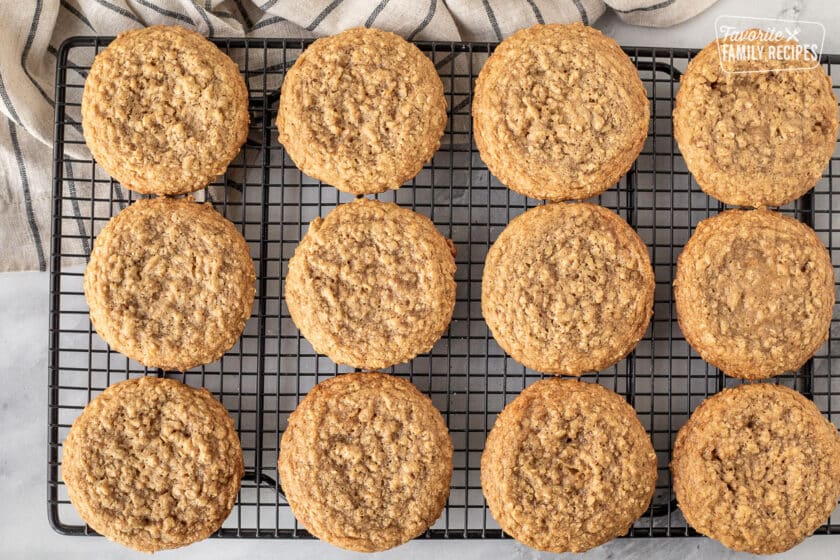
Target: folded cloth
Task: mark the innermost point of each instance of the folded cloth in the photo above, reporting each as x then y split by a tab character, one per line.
34	30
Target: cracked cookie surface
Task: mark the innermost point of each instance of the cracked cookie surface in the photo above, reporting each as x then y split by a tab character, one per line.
757	468
559	112
170	283
153	464
567	288
567	466
372	284
759	138
366	461
164	111
754	292
362	110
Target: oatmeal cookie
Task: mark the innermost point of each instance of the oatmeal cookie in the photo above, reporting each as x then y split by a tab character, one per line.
568	288
362	110
164	111
758	138
559	112
754	292
153	464
567	466
372	284
366	461
170	283
757	468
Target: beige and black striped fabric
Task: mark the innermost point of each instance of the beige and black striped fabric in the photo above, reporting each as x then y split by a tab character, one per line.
32	30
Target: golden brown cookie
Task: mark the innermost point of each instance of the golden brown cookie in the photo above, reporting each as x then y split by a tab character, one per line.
754	292
153	464
366	461
170	283
567	466
757	468
164	111
559	112
372	284
568	288
758	138
362	110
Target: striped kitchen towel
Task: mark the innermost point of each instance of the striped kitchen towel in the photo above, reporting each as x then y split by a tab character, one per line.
33	30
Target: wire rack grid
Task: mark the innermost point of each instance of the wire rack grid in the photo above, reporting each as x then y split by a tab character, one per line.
467	375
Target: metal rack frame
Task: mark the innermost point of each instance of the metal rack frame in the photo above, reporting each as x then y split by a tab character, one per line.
466	374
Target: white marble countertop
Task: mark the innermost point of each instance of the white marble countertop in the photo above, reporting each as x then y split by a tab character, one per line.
24	530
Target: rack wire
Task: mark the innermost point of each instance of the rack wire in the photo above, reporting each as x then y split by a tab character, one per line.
467	375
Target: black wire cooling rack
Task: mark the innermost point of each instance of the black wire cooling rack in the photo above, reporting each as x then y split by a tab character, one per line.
467	375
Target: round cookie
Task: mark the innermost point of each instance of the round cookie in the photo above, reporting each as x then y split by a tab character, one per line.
567	466
153	464
372	284
366	461
568	288
757	468
754	292
559	112
362	110
170	283
164	111
757	138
